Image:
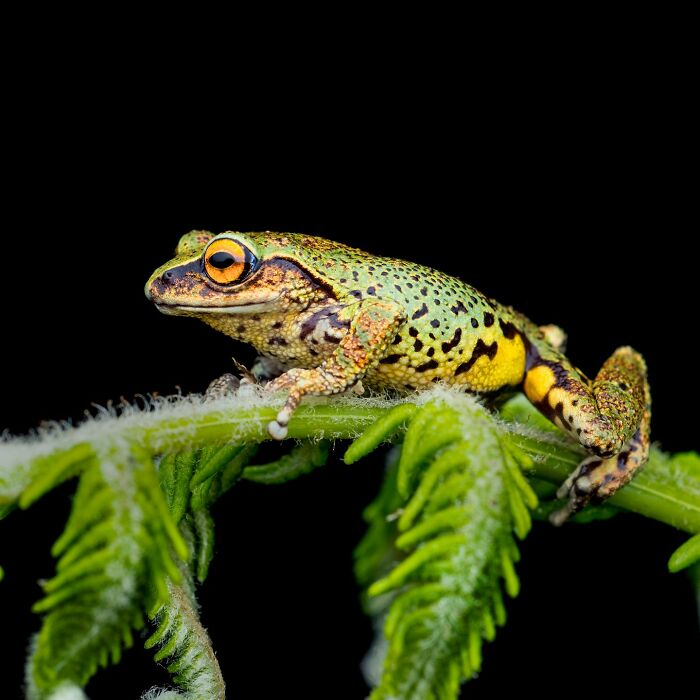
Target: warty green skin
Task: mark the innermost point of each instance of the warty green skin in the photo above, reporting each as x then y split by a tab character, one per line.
333	318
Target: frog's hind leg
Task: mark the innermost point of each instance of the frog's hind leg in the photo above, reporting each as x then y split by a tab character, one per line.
597	478
610	417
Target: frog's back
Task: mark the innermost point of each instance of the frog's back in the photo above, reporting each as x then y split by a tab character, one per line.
452	333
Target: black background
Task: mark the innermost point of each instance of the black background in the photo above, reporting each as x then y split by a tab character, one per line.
566	193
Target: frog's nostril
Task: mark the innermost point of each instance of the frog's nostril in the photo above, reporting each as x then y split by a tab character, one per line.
167	276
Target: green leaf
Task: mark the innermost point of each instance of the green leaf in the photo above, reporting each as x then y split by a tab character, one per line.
184	644
438	551
445	593
382	430
428	432
54	469
215	463
302	459
686	555
115	555
376	552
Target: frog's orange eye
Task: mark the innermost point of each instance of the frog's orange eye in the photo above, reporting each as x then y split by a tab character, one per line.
227	261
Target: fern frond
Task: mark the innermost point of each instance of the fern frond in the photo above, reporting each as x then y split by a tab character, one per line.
686	555
439	547
184	642
116	554
192	480
376	553
463	497
302	459
67	691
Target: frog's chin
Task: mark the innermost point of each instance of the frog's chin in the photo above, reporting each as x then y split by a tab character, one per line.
186	310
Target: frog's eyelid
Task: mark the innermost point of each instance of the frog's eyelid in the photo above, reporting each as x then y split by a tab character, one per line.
234	237
251	254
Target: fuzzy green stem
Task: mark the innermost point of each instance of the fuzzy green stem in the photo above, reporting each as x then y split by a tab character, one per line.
649	495
325	420
652	494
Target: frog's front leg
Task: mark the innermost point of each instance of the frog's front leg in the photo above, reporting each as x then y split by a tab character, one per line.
228	384
373	326
609	416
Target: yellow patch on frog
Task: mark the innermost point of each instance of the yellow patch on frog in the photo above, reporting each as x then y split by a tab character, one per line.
559	397
538	382
504	369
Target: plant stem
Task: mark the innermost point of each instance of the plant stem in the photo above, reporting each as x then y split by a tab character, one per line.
651	493
323	420
655	493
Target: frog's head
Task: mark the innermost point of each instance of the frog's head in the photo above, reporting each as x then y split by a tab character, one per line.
229	273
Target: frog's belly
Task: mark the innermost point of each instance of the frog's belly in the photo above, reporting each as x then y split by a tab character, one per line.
485	367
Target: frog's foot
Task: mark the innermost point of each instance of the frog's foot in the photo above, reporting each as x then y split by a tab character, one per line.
610	416
247	376
225	385
228	384
578	488
598	478
357	388
266	368
290	381
300	382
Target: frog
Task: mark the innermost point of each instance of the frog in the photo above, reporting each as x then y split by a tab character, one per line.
327	318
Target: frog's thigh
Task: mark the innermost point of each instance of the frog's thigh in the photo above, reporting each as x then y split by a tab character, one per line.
372	328
610	417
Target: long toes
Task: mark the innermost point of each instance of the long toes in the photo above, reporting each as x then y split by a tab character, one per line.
578	488
563	490
567	487
559	517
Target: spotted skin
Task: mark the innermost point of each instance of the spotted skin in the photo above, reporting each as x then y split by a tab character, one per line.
332	315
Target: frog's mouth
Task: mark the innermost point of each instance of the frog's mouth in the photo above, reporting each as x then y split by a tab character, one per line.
249	308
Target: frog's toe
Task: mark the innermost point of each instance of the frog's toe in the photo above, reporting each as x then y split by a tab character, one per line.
225	385
575	503
283	382
268	368
559	517
579	488
277	430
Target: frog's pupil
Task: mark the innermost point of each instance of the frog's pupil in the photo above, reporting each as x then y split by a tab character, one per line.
222	260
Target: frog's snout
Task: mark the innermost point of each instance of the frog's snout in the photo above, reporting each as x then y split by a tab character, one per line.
161	289
173	286
158	284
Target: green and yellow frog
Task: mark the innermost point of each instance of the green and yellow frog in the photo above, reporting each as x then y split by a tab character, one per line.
334	318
